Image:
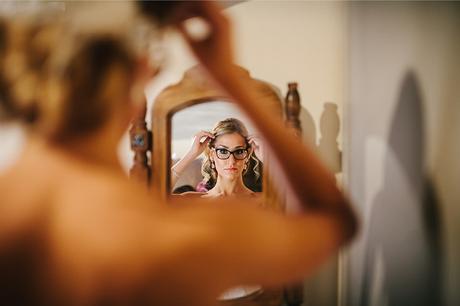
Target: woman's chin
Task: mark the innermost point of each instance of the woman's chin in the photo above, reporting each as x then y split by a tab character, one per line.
231	174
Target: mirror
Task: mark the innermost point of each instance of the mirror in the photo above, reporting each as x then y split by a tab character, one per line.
194	104
203	117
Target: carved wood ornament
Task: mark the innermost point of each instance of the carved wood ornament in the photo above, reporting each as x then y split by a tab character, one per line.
140	140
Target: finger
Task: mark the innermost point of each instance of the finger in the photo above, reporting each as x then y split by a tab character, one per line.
197	29
210	135
207	140
182	29
210	14
194	45
211	11
202	134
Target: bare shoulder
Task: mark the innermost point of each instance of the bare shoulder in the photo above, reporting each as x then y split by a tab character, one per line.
256	195
99	187
256	199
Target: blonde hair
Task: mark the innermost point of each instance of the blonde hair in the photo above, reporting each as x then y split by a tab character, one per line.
24	54
81	105
226	126
57	89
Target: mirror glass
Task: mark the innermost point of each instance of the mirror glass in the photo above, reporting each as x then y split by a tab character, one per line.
186	123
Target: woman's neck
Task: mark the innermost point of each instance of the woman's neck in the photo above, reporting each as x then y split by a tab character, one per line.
95	154
226	187
90	151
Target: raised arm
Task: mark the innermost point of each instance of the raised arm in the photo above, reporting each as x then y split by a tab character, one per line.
200	141
245	245
179	255
297	166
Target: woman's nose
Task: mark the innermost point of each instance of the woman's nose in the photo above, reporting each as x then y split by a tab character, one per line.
232	160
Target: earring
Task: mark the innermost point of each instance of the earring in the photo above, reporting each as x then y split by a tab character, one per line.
212	165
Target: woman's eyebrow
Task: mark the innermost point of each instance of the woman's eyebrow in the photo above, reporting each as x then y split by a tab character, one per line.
225	147
231	149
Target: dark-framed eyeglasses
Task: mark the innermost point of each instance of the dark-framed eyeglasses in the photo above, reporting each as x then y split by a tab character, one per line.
238	154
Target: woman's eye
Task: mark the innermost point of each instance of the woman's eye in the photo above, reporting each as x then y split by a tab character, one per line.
222	151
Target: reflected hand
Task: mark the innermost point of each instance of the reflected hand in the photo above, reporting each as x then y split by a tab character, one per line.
257	146
200	141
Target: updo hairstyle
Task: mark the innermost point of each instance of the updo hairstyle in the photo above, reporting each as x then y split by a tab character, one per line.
53	83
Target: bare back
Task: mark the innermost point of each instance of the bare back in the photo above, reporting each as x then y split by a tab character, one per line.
102	239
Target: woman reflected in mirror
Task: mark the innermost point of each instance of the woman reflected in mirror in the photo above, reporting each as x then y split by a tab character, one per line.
232	161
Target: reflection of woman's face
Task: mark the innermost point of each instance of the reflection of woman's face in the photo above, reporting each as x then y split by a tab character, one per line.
231	167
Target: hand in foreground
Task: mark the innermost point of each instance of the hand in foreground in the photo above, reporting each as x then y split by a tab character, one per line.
214	48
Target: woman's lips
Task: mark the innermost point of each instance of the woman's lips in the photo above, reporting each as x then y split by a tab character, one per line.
231	169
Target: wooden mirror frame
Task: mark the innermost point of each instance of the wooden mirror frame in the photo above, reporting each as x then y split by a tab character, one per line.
193	89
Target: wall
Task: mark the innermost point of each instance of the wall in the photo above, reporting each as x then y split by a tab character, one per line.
305	42
403	153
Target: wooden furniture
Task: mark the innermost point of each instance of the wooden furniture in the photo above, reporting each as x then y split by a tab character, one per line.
140	140
193	89
292	109
293	295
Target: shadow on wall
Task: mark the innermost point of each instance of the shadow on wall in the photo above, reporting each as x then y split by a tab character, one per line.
308	127
322	288
403	259
328	147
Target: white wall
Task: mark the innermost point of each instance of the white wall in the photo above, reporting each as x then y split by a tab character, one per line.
305	42
403	128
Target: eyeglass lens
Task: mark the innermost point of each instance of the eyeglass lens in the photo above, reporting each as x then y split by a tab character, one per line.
225	154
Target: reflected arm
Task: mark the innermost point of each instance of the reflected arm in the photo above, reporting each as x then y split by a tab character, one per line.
180	167
200	142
